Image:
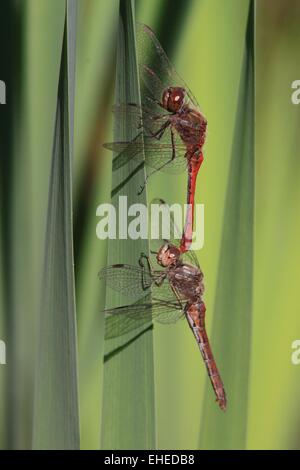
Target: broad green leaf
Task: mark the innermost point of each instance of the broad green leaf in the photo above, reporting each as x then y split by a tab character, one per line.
56	419
128	417
231	331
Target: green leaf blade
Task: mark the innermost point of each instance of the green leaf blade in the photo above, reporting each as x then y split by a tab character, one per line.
56	419
128	419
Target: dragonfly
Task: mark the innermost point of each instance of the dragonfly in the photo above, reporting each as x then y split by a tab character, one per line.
171	129
175	281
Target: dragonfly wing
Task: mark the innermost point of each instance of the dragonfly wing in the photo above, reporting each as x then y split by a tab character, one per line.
134	280
127	279
157	153
170	155
122	320
156	71
143	116
167	312
159	156
126	151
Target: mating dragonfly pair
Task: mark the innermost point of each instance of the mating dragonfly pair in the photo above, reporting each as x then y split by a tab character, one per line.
171	132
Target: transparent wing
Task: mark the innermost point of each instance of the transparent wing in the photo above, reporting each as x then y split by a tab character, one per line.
157	153
156	71
127	279
141	116
136	281
122	320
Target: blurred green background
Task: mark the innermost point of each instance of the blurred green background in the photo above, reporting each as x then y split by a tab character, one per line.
248	183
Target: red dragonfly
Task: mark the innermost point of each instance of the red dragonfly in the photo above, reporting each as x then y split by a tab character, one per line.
171	129
176	285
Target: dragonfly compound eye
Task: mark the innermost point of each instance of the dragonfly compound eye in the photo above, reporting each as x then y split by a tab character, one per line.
173	99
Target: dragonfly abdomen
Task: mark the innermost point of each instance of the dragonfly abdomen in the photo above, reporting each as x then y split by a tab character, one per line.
195	314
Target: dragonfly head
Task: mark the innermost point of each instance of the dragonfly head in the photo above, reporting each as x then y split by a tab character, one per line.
168	255
173	99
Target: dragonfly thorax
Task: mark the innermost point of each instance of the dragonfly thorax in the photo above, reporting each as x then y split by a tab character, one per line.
173	99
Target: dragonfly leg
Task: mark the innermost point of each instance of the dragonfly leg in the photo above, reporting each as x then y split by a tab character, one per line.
160	132
153	119
163	165
141	263
158	281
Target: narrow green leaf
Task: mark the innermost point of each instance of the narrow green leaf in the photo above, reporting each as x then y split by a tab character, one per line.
56	419
128	419
6	156
16	255
96	46
3	377
231	335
